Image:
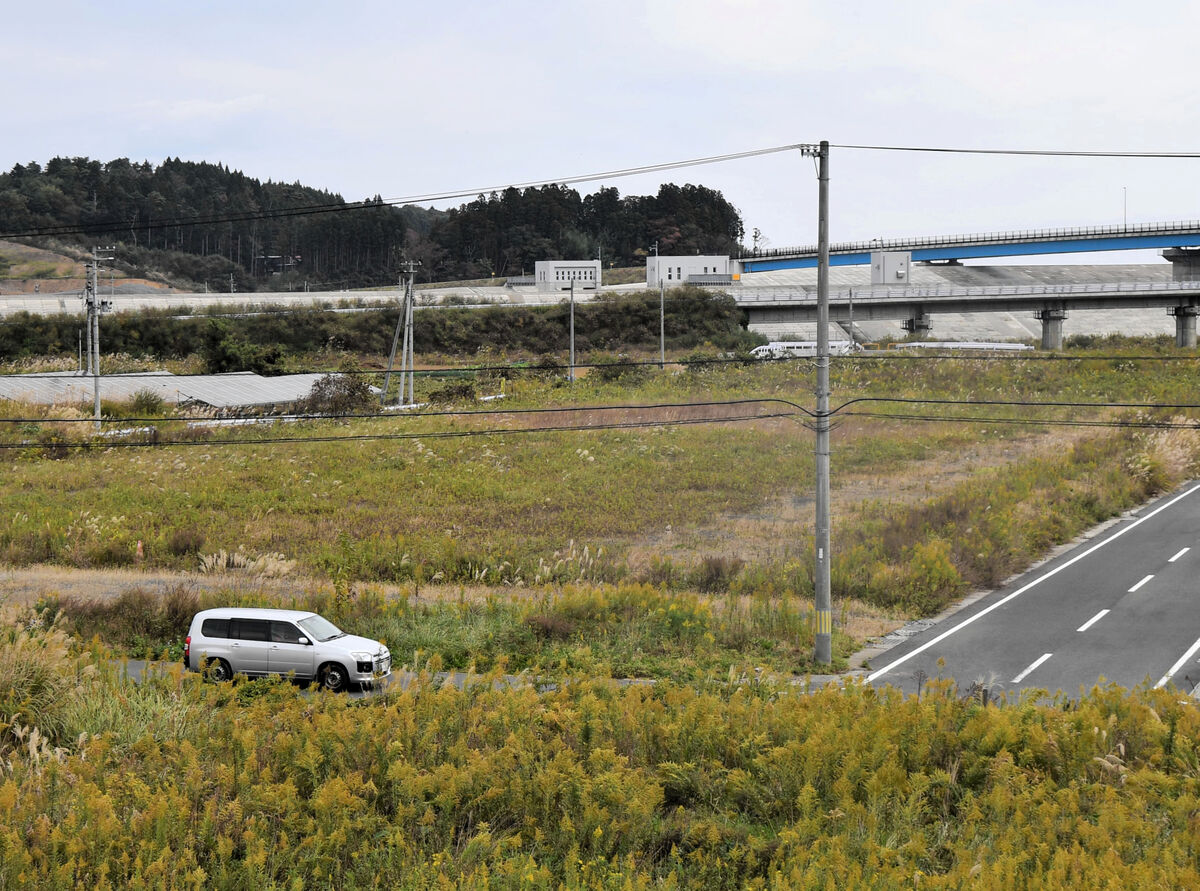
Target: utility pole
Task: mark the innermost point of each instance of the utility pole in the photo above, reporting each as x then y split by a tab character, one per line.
823	646
571	373
403	324
408	369
662	323
94	305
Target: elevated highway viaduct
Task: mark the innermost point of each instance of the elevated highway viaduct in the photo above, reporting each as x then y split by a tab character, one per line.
914	306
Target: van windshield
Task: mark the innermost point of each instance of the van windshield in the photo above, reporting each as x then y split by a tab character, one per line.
320	629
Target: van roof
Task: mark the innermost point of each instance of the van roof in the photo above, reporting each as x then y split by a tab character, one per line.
245	612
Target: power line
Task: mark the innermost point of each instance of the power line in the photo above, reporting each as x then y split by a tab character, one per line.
372	437
1060	153
333	207
1013	403
429	197
1031	422
543	370
441	413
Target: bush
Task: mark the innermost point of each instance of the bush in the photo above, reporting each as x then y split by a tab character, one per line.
147	403
34	655
184	541
339	394
619	369
714	574
137	621
458	391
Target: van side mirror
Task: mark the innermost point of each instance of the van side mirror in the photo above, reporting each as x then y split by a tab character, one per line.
302	640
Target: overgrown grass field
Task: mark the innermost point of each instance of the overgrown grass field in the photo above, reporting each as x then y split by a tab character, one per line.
460	495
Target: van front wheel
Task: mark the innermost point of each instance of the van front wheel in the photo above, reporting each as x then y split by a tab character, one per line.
334	677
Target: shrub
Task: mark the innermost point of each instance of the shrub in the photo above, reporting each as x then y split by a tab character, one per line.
339	394
457	391
147	403
714	574
619	369
137	621
34	657
185	540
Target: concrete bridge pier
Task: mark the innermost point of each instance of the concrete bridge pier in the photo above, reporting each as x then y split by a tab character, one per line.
919	324
1185	325
1185	264
1052	326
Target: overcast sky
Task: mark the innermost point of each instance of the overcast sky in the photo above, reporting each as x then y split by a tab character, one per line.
401	98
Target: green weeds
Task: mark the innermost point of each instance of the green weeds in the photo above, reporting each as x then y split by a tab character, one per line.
738	781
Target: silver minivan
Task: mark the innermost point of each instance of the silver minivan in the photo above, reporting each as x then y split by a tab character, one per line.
258	642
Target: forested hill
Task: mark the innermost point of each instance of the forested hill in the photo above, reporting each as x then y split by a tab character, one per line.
205	223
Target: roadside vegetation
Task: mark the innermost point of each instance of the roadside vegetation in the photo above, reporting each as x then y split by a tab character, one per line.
731	783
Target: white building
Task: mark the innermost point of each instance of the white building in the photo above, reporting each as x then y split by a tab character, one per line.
698	270
557	275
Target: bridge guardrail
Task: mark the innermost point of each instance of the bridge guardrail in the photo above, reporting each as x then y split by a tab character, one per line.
884	244
755	295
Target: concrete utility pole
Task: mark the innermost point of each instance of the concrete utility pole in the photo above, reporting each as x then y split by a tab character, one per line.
94	305
662	323
407	363
823	647
571	374
404	324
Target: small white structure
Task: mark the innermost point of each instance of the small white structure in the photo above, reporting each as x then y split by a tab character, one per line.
698	270
557	275
890	267
795	349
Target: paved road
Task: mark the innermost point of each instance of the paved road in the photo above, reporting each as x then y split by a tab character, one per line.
137	669
1123	608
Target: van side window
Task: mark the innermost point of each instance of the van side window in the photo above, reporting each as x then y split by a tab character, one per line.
284	632
250	629
215	628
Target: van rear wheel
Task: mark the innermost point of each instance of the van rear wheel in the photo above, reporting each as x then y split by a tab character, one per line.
218	670
334	677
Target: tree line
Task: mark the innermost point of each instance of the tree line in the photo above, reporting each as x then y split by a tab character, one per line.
204	223
270	342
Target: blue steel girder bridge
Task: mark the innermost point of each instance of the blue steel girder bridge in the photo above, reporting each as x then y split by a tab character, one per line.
1049	303
949	248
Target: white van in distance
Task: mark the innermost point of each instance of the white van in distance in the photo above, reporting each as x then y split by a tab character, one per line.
796	349
259	642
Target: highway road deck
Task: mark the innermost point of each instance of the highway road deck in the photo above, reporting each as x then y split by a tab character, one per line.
1121	608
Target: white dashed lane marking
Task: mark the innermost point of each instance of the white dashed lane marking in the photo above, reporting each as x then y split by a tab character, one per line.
1029	670
1166	678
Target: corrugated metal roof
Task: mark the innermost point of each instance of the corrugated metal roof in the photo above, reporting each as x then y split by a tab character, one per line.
244	389
237	390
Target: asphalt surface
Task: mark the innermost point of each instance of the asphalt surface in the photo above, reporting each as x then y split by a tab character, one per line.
1121	608
137	669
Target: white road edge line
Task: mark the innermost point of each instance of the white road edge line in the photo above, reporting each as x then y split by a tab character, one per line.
880	672
1139	584
1093	620
1166	678
1180	554
1029	670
